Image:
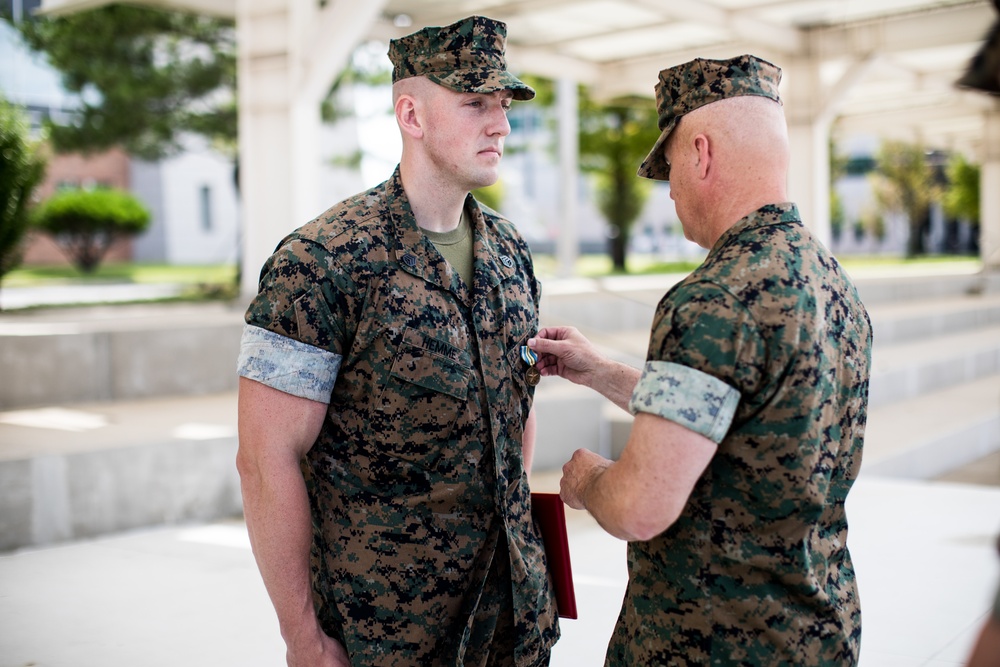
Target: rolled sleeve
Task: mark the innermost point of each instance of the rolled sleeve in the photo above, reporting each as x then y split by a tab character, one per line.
686	396
287	365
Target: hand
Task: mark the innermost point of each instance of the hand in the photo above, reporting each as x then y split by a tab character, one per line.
578	474
566	352
321	651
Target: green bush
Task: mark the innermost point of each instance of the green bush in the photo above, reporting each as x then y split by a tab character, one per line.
21	170
84	223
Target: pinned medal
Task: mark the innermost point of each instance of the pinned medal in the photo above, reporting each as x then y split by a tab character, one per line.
531	374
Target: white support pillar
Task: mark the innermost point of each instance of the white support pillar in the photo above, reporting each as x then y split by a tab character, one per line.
808	133
289	53
272	124
989	194
567	242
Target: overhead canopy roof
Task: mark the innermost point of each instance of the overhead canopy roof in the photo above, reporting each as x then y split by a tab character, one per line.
895	61
902	55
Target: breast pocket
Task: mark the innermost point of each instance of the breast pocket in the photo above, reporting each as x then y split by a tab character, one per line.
518	367
421	402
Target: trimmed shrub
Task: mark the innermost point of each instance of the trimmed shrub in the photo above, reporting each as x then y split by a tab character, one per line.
84	223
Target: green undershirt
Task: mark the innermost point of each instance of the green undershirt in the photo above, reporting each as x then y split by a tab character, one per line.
456	247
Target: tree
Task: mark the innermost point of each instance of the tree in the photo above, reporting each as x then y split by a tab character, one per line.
491	195
84	223
904	182
614	139
22	168
145	77
838	169
961	199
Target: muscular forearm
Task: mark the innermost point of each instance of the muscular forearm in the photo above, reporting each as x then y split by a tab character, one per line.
276	432
986	652
528	441
609	503
645	491
276	508
616	382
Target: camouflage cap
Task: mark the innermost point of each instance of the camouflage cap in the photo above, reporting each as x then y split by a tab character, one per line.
467	57
694	84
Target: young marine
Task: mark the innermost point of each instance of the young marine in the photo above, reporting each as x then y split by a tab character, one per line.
386	425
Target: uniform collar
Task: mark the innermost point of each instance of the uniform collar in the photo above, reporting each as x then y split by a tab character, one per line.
770	214
417	255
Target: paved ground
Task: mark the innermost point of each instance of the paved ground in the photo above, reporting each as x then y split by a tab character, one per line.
985	472
13	298
191	595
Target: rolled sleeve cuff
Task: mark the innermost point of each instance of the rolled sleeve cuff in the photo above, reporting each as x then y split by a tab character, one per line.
287	365
686	396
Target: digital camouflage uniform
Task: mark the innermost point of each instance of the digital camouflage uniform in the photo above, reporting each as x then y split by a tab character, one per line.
424	552
766	346
766	350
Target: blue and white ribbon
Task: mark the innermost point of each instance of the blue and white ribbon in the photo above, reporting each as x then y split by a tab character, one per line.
530	356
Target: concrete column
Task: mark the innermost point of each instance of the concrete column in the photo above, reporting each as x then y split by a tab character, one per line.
289	53
267	142
567	243
989	193
808	133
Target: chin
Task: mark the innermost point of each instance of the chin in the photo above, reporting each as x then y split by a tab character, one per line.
484	180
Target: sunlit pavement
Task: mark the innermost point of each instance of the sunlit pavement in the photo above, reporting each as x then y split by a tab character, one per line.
191	595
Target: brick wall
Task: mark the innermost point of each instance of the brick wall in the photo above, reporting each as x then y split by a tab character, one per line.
110	169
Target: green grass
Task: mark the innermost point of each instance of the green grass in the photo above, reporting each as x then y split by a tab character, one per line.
596	266
927	260
590	266
218	281
214	282
33	276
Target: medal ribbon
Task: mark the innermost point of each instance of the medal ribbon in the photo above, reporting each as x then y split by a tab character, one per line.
529	355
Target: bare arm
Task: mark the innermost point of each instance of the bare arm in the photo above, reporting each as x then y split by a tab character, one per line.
528	444
275	431
986	651
645	491
564	351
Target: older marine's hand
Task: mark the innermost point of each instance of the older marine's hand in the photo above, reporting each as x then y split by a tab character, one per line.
566	352
578	474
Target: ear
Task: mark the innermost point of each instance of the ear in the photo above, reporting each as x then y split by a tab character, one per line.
408	116
704	150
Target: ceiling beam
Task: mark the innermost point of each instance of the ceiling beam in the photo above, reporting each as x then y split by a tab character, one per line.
837	95
638	76
945	111
220	8
332	38
943	26
63	7
550	64
437	15
741	25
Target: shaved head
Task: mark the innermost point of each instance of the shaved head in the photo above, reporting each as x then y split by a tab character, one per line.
750	130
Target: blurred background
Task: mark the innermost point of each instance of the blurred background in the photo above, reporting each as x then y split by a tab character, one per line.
153	153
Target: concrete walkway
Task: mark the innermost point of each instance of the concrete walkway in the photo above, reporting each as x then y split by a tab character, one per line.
191	595
13	298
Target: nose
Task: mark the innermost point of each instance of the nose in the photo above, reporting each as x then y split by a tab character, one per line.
499	124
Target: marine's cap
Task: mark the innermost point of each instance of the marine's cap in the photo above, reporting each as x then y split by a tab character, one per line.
467	57
694	84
